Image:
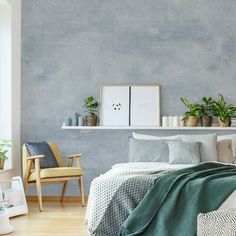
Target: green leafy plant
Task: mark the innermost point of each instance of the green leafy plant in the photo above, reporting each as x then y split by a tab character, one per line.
194	109
207	106
4	147
91	105
223	110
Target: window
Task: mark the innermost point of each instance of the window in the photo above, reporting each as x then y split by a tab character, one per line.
10	79
5	75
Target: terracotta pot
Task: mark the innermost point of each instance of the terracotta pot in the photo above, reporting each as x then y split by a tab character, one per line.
191	121
226	123
206	121
91	120
2	161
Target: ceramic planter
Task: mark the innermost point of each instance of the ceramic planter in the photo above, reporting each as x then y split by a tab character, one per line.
191	121
226	123
206	121
91	120
2	161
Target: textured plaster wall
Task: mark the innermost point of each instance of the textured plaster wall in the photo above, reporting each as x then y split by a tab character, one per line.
70	47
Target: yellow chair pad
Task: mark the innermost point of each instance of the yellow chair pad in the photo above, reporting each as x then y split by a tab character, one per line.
57	172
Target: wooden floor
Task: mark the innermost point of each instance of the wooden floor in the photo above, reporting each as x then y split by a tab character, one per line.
57	219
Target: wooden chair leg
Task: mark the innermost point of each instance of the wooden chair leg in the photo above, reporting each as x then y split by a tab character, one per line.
29	164
81	188
64	191
38	184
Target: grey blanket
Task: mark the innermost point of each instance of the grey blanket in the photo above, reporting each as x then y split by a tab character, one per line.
116	193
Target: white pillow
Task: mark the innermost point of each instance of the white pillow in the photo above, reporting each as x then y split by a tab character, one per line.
152	137
233	138
208	148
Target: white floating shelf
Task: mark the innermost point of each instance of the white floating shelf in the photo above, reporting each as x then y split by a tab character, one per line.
146	128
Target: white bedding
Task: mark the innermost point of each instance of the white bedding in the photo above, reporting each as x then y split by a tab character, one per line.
149	165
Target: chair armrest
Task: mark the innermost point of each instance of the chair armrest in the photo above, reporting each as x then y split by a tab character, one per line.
71	159
35	157
30	161
75	155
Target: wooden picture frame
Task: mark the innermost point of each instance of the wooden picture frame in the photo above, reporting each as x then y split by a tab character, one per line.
136	105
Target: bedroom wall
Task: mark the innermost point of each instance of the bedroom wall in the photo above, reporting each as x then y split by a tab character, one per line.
70	47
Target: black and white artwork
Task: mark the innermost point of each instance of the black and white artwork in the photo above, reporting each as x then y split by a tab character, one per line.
130	105
115	105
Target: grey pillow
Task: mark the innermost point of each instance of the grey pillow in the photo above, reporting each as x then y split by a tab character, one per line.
208	148
42	148
184	153
148	151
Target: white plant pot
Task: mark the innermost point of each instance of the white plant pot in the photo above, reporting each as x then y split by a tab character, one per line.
5	227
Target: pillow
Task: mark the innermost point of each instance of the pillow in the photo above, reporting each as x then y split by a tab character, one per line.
208	148
42	148
148	151
224	149
184	153
233	138
151	137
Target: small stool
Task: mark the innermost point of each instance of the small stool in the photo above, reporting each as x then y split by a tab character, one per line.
217	223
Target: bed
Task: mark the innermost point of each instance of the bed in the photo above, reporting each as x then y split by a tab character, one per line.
115	194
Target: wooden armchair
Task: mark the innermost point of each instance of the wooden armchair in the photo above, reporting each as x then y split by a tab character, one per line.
32	173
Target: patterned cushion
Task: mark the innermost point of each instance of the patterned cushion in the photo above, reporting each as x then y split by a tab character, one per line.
217	223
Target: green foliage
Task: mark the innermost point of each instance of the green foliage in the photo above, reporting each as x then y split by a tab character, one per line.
207	106
91	105
4	146
223	110
194	109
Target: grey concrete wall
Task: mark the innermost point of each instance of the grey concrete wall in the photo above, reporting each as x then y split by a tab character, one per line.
69	47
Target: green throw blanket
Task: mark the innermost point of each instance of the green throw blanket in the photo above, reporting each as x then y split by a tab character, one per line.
171	205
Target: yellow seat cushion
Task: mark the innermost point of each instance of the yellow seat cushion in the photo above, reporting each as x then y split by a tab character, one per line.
57	172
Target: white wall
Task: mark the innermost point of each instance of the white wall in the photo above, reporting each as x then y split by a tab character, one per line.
10	77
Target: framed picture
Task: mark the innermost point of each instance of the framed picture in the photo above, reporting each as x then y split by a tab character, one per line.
145	105
114	105
130	105
12	197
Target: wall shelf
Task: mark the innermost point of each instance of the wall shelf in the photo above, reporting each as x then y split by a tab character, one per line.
145	128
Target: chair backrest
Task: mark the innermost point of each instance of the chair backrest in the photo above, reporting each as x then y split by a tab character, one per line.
55	151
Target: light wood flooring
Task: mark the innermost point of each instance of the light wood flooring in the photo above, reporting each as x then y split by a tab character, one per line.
57	219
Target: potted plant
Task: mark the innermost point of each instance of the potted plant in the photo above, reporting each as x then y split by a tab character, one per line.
207	108
225	112
192	115
4	147
91	106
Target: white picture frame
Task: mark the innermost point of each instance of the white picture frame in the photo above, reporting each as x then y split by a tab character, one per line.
114	105
130	105
145	105
13	195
